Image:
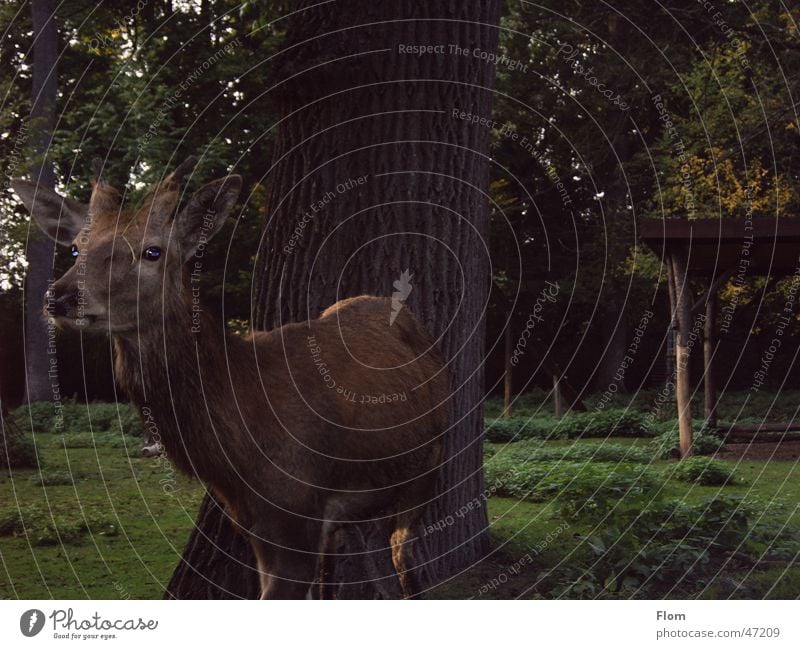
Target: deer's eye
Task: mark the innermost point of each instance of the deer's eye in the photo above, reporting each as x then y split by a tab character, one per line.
153	253
73	251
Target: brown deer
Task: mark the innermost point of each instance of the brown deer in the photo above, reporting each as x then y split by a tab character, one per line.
295	430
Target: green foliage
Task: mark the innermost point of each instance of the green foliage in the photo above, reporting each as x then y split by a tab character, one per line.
532	403
55	478
74	417
536	451
618	422
633	540
37	417
652	547
595	485
703	471
101	416
41	526
705	440
509	429
98	440
18	452
145	498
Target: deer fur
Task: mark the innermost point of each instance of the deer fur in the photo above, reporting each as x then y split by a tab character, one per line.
295	430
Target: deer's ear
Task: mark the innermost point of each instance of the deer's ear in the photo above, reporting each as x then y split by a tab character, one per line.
60	218
205	213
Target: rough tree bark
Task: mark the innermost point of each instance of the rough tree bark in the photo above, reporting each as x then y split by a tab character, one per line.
40	250
355	105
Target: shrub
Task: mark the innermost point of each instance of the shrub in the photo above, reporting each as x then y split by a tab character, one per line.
524	404
100	440
82	417
40	417
592	485
534	451
705	441
650	546
130	422
703	471
46	527
619	422
506	429
16	450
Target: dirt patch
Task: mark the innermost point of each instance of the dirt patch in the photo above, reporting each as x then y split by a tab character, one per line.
498	576
785	451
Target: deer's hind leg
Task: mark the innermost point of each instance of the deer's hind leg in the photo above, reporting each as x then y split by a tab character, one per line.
366	521
410	509
286	550
403	540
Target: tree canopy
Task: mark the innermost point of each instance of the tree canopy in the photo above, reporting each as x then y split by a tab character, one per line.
604	113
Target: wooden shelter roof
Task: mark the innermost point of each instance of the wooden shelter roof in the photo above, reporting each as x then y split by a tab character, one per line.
758	246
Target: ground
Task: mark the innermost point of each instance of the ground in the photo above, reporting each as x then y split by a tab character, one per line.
119	523
518	526
783	451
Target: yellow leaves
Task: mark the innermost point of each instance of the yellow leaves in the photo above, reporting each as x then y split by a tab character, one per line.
790	20
716	183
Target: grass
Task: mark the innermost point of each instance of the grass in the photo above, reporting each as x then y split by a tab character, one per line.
94	523
99	522
743	407
522	530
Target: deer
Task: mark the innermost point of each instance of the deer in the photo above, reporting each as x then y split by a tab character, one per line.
297	430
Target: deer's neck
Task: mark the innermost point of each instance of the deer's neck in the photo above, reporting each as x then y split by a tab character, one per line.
175	369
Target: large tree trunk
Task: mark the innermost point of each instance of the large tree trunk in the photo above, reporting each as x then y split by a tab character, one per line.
40	250
353	105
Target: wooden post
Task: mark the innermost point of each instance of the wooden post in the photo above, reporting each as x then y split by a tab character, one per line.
673	326
558	401
683	395
569	395
507	376
709	347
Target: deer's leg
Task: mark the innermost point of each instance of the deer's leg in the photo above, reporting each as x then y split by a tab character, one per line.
265	562
340	513
287	556
410	508
326	547
402	541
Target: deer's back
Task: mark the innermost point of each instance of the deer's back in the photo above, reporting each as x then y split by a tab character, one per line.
357	396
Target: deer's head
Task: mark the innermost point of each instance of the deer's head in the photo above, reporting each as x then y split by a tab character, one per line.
128	262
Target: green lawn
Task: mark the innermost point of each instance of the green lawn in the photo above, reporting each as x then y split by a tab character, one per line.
139	514
522	529
743	407
116	526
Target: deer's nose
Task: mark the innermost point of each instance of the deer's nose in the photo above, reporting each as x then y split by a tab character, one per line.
58	303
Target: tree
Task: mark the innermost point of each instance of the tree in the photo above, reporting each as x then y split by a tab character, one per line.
118	72
40	250
586	101
378	169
